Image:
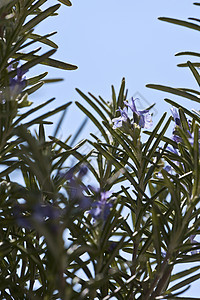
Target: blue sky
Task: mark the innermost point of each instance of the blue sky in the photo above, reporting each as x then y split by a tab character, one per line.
111	39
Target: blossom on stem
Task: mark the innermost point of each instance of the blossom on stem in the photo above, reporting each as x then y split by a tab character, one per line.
140	117
18	83
176	116
118	122
76	188
176	138
193	241
45	211
145	119
101	208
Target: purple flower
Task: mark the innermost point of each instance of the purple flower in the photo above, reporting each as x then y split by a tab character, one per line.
26	216
172	149
112	246
42	212
176	138
145	119
176	116
118	122
18	83
76	188
193	241
82	172
101	209
21	219
167	168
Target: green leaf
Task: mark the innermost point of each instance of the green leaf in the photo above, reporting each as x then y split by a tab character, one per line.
94	120
188	112
188	53
37	38
52	80
153	148
195	64
194	72
76	154
125	142
184	283
35	79
66	2
29	112
39	18
94	106
33	89
79	130
119	166
174	91
190	90
196	172
47	115
121	97
181	23
103	105
36	59
184	273
153	134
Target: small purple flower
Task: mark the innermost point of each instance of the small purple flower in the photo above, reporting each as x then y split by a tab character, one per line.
193	241
167	168
112	246
42	212
82	172
145	119
76	188
133	107
101	209
176	138
118	122
21	219
26	217
176	116
172	149
18	83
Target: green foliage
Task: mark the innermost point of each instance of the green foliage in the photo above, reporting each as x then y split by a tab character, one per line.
119	237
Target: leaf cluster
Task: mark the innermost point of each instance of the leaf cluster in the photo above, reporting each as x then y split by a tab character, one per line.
61	238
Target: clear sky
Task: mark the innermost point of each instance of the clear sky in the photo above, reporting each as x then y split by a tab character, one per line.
111	39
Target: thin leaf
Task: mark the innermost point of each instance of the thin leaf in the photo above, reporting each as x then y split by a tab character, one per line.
194	72
94	120
181	23
94	106
46	61
39	18
47	115
184	283
174	91
188	112
188	53
66	2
